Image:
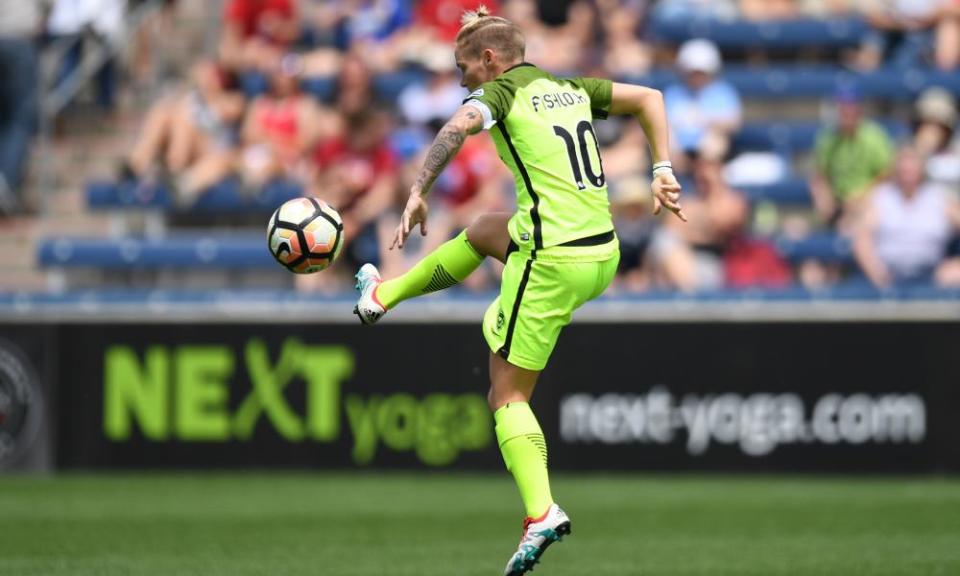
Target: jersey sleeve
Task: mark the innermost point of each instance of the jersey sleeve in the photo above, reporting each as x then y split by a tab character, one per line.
493	100
600	91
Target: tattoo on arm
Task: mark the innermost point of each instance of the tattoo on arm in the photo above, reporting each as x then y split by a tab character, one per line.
446	145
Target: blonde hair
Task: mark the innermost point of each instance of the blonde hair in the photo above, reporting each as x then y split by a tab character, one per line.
480	30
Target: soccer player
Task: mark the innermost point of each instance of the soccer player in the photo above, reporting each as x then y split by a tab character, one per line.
559	248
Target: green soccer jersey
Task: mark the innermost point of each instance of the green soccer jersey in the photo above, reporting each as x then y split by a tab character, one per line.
542	129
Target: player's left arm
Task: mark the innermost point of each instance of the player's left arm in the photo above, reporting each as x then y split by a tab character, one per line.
646	104
466	121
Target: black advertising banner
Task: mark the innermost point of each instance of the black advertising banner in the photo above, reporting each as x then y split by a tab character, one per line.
845	397
25	416
791	397
253	396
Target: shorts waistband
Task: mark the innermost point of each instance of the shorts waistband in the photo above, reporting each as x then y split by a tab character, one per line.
595	240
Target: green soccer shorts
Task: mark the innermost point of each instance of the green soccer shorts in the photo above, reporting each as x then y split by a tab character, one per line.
537	299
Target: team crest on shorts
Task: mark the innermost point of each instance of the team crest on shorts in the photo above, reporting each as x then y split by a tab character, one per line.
500	319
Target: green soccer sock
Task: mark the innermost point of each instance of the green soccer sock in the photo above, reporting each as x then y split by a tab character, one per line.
446	266
525	453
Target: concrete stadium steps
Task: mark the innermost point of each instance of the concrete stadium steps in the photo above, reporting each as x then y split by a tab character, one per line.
86	143
17	256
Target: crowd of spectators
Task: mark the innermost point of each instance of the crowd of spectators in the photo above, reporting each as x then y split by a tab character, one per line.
245	115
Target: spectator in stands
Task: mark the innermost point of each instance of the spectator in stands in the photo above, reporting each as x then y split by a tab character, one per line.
256	33
630	206
769	10
150	51
20	25
902	32
625	55
433	27
850	158
281	129
188	140
906	228
441	18
368	27
77	21
437	99
947	53
357	173
561	49
689	256
354	91
703	109
686	10
934	136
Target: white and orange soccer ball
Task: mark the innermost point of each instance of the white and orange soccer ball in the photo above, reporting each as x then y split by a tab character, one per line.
305	235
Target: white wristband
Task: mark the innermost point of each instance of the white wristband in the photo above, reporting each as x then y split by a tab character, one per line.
662	170
663	166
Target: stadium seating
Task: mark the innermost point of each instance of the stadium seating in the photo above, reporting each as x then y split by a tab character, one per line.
244	250
793	191
825	247
798	33
221	251
795	136
795	81
785	140
226	196
783	81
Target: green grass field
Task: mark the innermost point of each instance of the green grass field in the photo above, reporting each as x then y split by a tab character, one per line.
408	524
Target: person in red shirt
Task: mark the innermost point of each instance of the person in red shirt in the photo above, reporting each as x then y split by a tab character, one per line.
443	16
257	32
281	129
358	172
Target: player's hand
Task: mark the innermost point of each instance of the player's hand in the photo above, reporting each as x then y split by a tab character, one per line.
666	193
415	213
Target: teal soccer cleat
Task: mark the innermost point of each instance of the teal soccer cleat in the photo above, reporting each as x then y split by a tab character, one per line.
368	308
538	534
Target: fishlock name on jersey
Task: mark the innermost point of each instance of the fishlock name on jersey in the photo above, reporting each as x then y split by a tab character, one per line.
553	100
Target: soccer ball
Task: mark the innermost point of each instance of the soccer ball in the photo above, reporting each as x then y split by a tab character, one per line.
305	235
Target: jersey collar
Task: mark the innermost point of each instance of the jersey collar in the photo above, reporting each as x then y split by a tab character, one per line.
518	66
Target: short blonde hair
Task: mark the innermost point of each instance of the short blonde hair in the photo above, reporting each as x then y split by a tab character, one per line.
480	30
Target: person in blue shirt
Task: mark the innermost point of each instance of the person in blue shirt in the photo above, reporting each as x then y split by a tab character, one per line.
704	110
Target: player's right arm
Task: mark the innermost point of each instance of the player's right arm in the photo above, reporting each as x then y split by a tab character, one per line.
466	121
646	104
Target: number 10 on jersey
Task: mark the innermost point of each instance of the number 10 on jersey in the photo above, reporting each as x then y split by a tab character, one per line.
597	180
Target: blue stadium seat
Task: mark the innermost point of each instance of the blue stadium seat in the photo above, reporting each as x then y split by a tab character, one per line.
792	137
236	251
389	85
771	35
825	247
224	197
320	87
113	195
794	191
820	81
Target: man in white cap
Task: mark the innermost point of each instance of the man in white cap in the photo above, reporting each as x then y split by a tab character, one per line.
703	109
